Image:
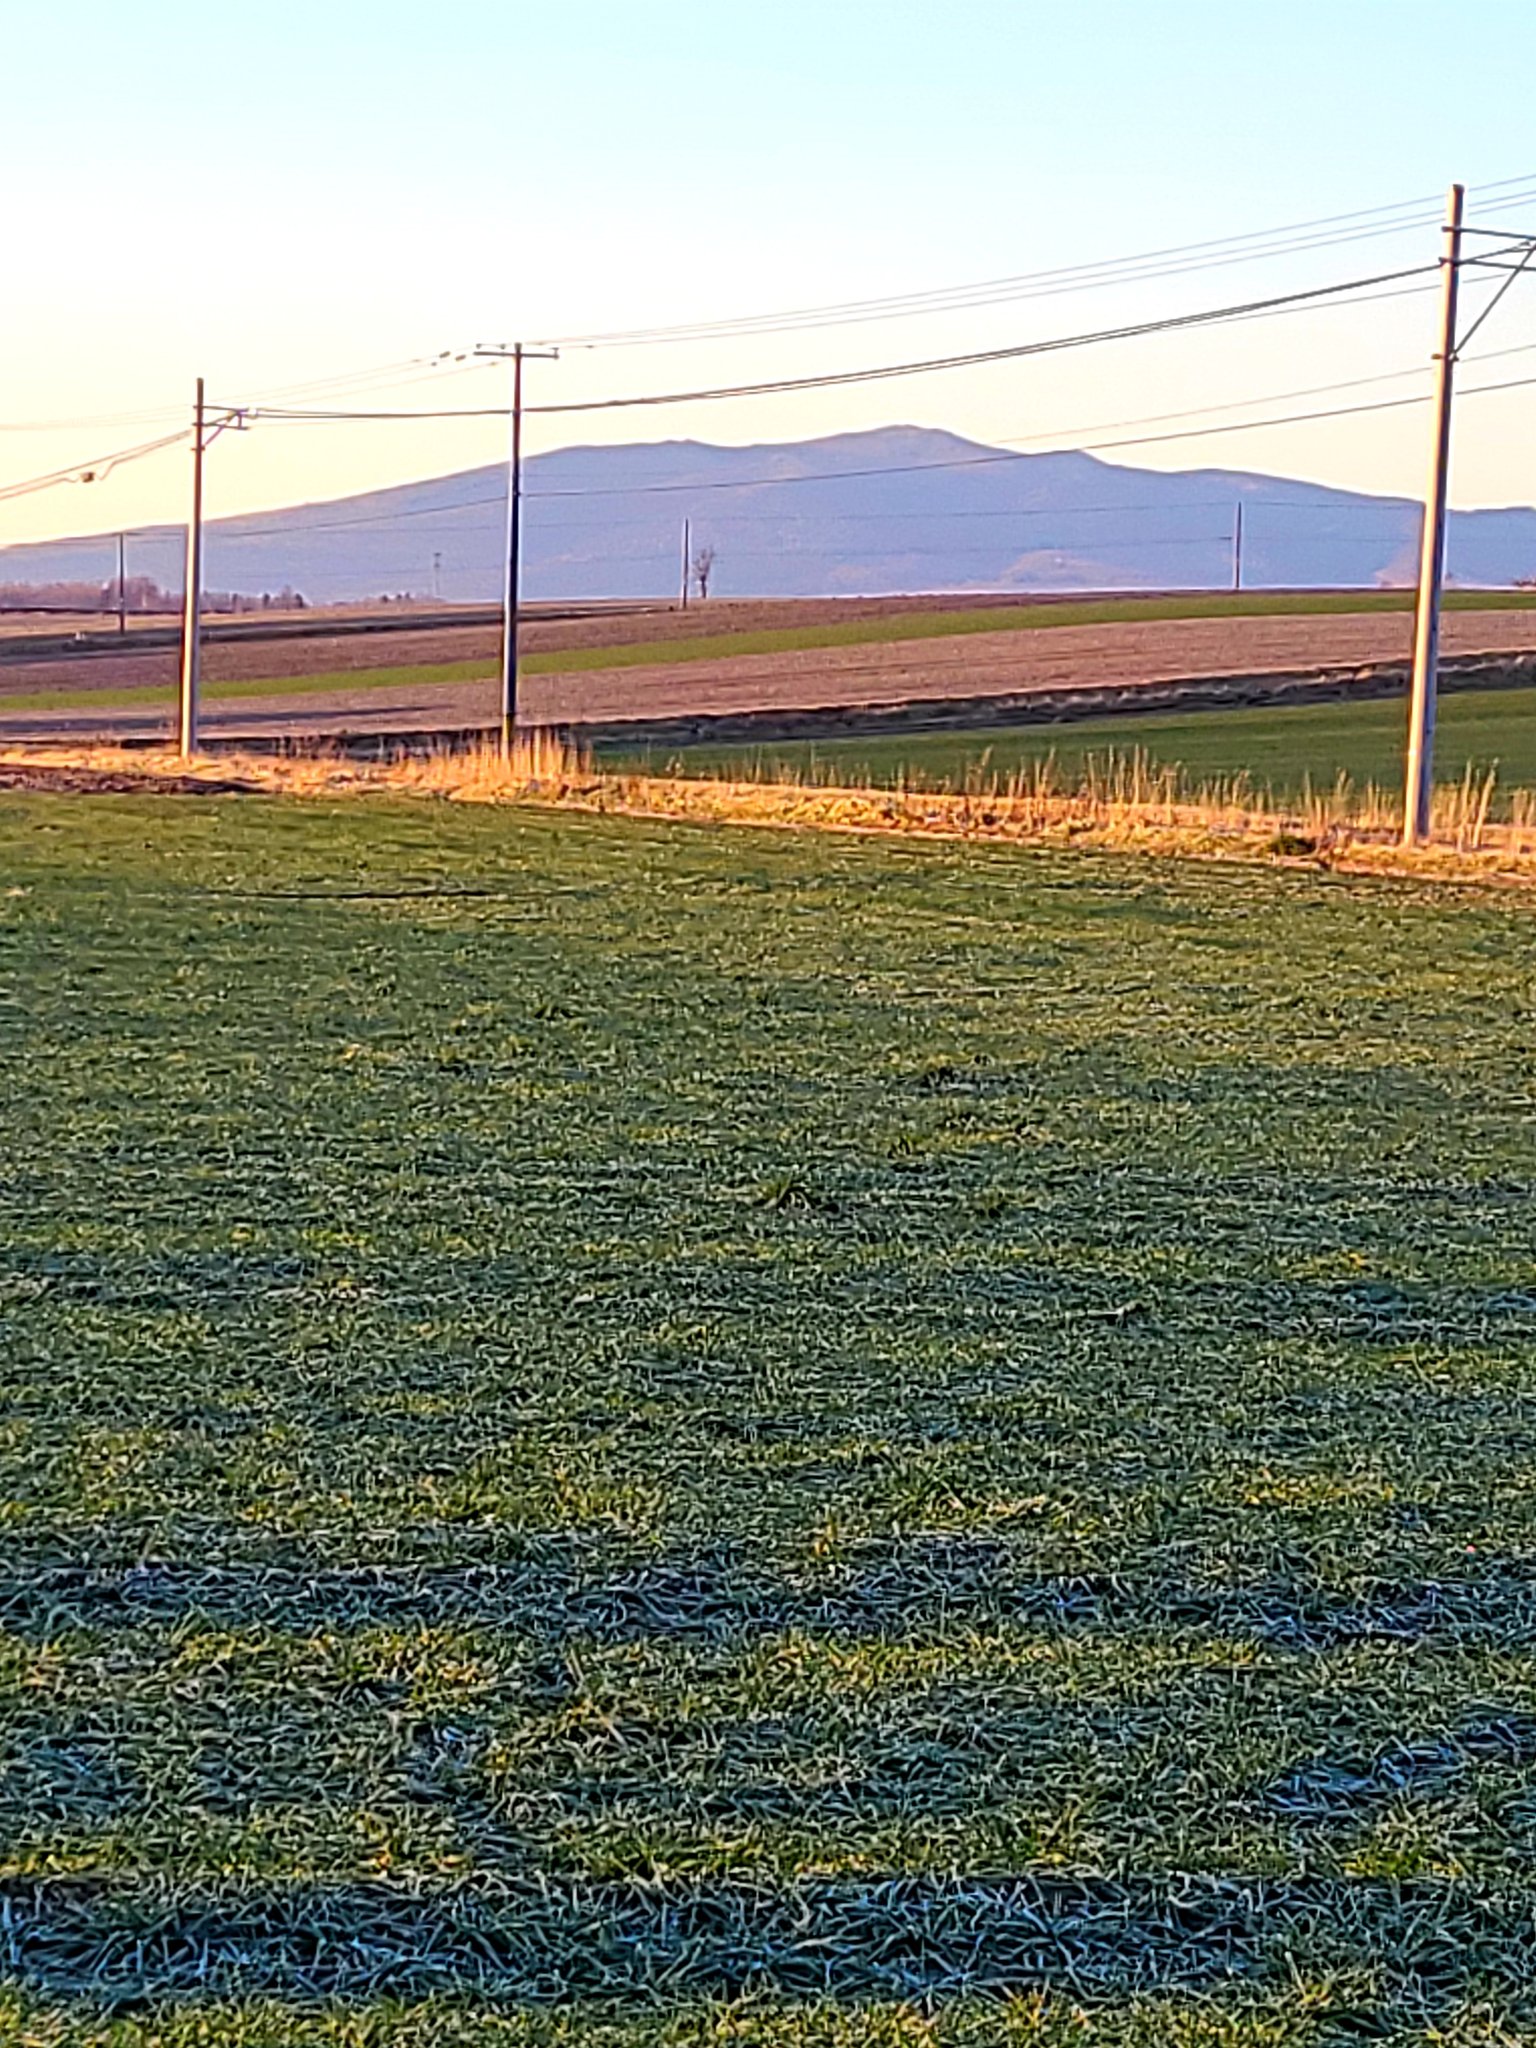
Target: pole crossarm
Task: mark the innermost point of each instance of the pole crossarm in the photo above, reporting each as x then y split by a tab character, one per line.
1514	270
237	418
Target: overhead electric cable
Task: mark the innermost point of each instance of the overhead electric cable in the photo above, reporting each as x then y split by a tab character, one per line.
1080	447
92	469
1259	244
1326	230
876	373
892	469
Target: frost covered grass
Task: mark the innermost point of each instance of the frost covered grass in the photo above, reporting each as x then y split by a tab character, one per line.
613	1433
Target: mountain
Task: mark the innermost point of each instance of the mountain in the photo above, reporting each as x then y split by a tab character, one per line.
900	508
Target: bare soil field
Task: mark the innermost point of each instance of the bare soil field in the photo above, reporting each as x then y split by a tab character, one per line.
1122	657
235	661
110	666
983	664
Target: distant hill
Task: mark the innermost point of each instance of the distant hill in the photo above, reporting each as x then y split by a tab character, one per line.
897	509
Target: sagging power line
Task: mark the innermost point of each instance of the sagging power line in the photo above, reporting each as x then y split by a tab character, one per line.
1173	323
1261	244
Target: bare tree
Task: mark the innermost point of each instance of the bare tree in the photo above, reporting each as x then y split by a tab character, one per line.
703	568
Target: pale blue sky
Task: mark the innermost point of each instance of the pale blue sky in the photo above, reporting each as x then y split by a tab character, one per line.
270	194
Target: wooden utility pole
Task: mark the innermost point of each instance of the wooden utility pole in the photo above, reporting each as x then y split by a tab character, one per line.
191	603
1237	547
122	583
511	609
1419	775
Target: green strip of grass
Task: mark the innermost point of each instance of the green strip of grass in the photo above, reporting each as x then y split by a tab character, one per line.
1097	611
1280	747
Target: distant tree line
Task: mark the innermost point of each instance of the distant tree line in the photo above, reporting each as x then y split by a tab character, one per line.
140	594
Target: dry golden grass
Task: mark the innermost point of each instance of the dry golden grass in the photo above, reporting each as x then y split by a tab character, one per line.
1125	803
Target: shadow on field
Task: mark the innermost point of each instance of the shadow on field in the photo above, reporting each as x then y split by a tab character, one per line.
895	1591
547	1941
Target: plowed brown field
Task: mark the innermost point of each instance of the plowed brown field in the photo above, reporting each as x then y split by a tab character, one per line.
1121	656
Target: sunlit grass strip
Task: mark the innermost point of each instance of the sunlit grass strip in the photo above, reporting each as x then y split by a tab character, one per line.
1308	2015
1122	801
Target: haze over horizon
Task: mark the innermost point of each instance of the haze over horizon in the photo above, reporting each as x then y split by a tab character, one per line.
895	509
339	190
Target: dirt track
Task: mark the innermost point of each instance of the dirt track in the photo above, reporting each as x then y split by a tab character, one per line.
1120	656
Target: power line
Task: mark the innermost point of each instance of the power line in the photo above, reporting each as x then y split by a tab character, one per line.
901	554
665	546
1386	508
100	465
390	375
1169	324
92	469
1327	230
1260	244
1271	398
827	380
289	528
984	461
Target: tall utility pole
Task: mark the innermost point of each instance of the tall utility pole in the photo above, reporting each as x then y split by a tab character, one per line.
203	437
517	355
191	603
1237	547
1418	780
122	583
687	531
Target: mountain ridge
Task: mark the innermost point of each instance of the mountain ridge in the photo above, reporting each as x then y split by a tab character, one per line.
897	508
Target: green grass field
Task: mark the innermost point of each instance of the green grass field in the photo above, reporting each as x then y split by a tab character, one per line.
1281	748
612	1435
857	632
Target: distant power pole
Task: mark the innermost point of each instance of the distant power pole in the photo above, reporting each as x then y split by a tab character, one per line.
1237	547
437	574
686	559
122	583
517	355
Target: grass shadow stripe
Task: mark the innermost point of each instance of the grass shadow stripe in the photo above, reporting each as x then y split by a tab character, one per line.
549	1942
891	1591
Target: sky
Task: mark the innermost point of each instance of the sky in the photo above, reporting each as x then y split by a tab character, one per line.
276	195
